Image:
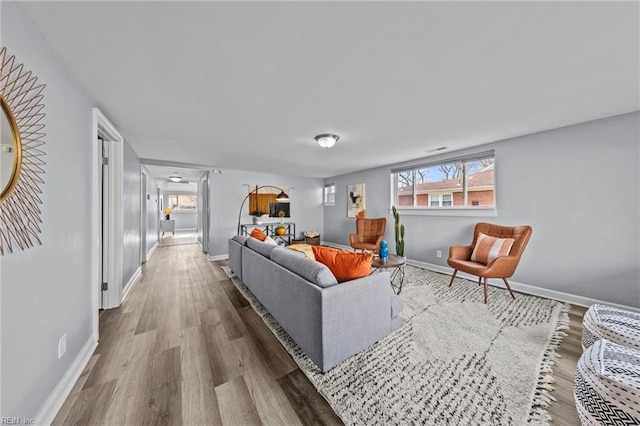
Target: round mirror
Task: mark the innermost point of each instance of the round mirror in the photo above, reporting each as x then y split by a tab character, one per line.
10	151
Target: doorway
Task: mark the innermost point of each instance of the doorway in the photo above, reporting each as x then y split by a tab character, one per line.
107	218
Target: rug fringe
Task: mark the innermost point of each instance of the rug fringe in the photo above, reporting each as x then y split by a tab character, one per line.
542	399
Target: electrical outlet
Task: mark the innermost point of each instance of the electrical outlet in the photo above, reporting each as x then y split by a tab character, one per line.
438	253
62	345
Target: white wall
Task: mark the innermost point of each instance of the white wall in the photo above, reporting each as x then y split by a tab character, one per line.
46	290
184	219
577	186
227	191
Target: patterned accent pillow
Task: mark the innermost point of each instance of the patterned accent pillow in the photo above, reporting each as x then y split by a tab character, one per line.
271	241
304	248
258	234
344	265
489	248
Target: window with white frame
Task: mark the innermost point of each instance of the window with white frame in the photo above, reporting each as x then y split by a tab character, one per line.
330	194
182	202
461	182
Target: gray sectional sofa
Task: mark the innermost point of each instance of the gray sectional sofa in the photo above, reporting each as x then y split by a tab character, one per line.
329	321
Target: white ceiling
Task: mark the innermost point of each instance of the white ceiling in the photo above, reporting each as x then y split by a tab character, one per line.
164	172
247	85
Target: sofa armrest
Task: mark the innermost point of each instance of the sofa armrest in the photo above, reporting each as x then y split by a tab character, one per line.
235	257
355	314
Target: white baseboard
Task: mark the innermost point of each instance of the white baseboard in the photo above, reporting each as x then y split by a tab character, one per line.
52	405
525	288
340	246
218	257
131	283
155	246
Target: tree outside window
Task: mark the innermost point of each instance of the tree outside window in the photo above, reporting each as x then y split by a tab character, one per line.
463	182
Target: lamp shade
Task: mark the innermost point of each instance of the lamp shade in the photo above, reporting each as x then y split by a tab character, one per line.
168	210
282	197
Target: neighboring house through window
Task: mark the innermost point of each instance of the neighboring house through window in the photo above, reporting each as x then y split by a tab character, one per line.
462	182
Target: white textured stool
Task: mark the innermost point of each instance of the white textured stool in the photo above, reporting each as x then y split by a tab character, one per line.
607	385
613	324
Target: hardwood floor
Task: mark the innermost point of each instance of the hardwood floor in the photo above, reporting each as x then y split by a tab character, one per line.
186	348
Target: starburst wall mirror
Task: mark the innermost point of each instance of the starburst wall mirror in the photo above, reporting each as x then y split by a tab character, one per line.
21	166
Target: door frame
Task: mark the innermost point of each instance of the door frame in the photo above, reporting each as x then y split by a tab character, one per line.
203	221
102	127
144	195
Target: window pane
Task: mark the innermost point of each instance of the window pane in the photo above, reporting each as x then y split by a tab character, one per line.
453	183
330	195
182	202
437	179
405	189
187	202
480	182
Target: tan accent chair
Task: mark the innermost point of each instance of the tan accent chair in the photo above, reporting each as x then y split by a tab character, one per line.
369	233
501	267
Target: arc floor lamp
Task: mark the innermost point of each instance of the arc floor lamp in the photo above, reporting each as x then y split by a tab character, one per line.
281	198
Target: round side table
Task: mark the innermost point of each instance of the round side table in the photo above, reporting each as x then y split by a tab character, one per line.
396	265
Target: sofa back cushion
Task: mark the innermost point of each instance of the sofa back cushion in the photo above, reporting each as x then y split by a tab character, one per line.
345	265
310	270
240	239
261	247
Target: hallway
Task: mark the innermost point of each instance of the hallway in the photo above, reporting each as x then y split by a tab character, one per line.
186	348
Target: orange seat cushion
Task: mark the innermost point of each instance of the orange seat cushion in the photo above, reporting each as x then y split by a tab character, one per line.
488	248
258	234
344	265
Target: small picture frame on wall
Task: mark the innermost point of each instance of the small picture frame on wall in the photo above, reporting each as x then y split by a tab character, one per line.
355	200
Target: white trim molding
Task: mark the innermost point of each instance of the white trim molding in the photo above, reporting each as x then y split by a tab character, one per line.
218	257
63	389
131	283
524	288
153	249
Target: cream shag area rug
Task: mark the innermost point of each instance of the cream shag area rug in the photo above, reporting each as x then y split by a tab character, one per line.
456	361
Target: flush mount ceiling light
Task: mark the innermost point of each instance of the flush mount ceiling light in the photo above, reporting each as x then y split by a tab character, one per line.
175	178
327	140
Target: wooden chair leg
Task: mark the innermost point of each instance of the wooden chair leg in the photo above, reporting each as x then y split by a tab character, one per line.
486	289
479	280
453	277
508	287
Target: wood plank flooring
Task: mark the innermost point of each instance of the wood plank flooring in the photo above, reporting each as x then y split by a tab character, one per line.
186	348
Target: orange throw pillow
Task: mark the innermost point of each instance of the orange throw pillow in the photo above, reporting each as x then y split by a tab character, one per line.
258	234
344	265
489	248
